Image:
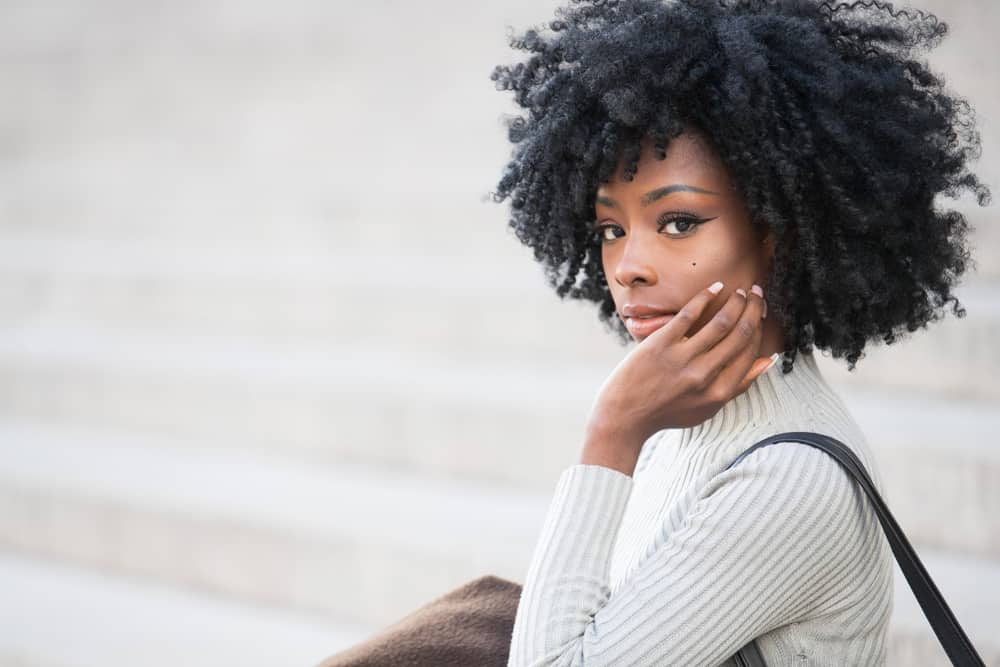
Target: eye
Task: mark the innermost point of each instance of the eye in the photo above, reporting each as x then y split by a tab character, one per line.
682	224
608	232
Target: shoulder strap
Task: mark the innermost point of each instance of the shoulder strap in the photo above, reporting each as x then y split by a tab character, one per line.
749	656
954	640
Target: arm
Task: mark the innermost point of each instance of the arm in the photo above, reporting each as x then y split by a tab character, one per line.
761	546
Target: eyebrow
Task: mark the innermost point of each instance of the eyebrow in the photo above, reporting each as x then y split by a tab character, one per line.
658	193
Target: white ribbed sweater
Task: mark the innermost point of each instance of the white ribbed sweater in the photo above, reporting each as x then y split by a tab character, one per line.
682	564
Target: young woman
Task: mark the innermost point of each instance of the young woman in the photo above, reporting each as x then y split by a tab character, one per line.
728	181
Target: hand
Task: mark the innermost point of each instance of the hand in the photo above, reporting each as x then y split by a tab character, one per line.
671	381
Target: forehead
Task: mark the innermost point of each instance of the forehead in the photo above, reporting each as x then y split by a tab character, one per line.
690	159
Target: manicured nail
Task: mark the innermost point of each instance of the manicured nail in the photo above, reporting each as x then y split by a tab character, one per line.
741	292
715	288
764	316
774	360
757	290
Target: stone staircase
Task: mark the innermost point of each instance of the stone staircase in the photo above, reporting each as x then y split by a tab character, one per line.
275	374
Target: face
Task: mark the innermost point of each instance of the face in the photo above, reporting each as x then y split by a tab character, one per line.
673	230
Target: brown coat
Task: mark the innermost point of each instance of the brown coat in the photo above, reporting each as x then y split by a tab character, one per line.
470	626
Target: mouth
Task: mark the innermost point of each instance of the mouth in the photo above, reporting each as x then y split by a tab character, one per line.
642	326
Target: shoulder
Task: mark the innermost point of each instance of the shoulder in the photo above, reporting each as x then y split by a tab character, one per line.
794	492
790	515
802	500
786	468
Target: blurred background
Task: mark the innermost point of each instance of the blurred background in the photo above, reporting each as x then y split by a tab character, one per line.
273	373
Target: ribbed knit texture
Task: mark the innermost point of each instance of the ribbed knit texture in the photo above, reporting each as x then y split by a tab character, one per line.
682	564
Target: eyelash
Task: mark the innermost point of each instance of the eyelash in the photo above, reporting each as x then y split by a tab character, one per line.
662	222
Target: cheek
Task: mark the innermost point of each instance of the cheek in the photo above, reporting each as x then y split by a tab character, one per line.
701	265
718	261
702	268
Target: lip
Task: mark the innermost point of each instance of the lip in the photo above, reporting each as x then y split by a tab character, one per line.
642	320
640	328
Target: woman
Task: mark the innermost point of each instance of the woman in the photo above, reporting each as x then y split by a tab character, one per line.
650	553
790	150
730	183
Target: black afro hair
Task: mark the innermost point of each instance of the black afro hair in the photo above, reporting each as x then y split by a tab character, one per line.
838	139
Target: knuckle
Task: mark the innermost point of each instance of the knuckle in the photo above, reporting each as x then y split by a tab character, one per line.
685	314
718	396
746	329
696	379
723	321
707	388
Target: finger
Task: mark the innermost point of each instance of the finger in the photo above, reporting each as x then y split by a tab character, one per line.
721	324
743	362
728	363
761	365
678	326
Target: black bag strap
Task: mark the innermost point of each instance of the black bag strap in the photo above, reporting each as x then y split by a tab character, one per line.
749	656
954	640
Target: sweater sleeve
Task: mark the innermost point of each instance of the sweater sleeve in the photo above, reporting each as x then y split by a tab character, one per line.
759	548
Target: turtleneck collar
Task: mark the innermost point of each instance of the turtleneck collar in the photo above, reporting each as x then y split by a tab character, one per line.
771	399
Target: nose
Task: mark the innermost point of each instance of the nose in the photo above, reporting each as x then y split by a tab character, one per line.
635	266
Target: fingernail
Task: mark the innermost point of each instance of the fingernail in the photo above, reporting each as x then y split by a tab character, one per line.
774	360
757	290
715	288
765	310
741	292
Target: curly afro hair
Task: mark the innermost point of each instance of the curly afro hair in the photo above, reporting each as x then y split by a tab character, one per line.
837	138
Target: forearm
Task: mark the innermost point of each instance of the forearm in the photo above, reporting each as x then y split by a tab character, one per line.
567	581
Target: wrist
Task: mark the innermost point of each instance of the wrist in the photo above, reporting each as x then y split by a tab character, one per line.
618	430
612	447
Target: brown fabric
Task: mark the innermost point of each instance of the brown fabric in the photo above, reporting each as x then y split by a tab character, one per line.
470	626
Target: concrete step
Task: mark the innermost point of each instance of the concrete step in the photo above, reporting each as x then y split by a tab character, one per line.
458	306
954	357
376	405
56	614
355	542
970	587
940	466
518	425
352	543
223	121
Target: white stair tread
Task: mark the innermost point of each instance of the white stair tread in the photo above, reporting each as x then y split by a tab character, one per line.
57	615
970	587
371	368
343	500
925	421
139	260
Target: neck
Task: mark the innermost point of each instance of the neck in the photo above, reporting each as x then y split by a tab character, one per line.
773	396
